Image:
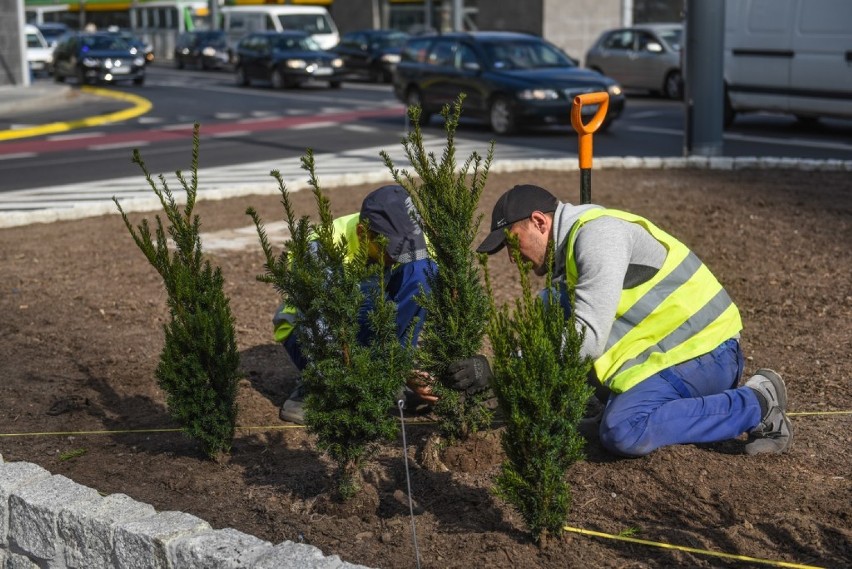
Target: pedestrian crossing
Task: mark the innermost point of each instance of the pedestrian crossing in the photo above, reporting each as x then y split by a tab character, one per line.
363	165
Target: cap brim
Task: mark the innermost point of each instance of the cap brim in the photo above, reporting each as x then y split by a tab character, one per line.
495	241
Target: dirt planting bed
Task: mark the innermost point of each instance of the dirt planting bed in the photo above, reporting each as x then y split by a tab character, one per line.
82	331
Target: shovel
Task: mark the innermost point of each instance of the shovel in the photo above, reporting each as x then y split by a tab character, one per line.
584	133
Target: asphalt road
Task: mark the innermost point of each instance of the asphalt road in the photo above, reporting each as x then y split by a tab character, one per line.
241	126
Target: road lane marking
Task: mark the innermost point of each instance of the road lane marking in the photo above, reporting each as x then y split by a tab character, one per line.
18	155
140	107
181	126
118	145
228	134
75	136
320	124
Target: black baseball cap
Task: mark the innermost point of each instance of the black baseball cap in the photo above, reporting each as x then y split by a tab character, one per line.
516	204
389	211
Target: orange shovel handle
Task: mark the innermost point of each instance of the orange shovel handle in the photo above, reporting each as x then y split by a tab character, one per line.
584	131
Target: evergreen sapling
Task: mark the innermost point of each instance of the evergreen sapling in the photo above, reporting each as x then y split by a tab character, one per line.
457	307
350	387
540	382
199	364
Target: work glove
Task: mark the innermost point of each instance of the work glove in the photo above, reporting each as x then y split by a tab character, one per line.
470	375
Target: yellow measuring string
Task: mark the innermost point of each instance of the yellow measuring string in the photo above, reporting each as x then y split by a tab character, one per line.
689	549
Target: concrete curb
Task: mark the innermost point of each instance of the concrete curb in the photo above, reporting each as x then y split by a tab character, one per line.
51	521
39	98
16	219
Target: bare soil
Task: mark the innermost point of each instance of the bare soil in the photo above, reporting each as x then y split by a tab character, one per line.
82	331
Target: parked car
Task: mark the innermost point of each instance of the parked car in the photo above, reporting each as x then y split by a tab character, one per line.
39	54
646	56
143	48
511	79
52	31
95	57
286	59
207	49
371	53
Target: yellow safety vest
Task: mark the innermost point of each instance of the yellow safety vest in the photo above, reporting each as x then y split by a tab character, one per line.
284	321
681	313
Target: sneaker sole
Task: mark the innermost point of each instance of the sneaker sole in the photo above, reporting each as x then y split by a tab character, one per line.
778	383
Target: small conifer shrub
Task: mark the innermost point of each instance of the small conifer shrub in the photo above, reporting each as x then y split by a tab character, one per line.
540	382
446	199
350	388
199	364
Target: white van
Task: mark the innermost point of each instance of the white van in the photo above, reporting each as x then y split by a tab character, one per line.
315	20
39	52
790	56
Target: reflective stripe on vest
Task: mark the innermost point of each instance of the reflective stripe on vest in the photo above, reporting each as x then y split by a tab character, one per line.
679	314
284	321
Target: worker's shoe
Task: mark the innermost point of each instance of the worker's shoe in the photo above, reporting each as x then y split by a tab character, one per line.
293	409
774	433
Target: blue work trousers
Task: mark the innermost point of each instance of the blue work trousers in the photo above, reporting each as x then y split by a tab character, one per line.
696	401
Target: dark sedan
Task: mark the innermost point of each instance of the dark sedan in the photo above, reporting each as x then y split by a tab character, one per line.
207	49
97	57
371	53
285	59
511	79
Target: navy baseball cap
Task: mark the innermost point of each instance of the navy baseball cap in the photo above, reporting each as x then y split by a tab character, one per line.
390	212
516	204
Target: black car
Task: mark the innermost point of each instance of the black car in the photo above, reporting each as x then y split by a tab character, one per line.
286	59
207	49
96	57
142	48
371	53
511	79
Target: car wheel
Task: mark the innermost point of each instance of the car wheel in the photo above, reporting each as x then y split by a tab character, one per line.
334	84
139	80
414	99
502	116
242	80
277	78
178	63
81	77
57	77
673	85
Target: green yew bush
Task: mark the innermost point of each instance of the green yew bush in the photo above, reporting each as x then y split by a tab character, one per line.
540	382
350	388
199	364
457	307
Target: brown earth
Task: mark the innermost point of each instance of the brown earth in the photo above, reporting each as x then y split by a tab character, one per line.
82	333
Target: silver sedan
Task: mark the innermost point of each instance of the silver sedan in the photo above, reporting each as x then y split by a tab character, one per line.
646	56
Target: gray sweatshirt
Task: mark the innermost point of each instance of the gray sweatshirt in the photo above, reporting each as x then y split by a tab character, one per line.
611	254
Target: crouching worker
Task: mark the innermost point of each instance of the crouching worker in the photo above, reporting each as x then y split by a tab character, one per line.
662	332
388	212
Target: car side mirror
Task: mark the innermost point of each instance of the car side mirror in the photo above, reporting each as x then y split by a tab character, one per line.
653	47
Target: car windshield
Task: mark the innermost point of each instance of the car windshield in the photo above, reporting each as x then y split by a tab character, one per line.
214	39
34	41
525	54
51	34
388	40
311	23
672	37
296	43
104	43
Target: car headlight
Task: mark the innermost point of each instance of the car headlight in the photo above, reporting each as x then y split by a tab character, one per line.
337	62
538	95
90	62
614	90
296	63
390	58
208	51
138	61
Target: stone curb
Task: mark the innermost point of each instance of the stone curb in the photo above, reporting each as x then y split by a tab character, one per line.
51	521
16	219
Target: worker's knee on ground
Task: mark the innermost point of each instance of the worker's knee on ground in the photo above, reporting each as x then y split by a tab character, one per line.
622	439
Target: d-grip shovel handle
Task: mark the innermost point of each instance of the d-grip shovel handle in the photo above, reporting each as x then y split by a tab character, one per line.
584	131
